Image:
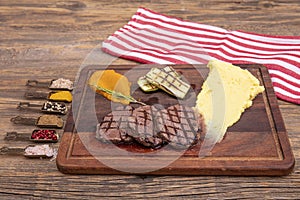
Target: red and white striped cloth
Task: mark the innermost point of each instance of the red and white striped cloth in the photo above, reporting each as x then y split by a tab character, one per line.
150	37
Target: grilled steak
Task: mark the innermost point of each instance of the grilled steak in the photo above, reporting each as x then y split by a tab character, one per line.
179	126
151	127
114	126
143	126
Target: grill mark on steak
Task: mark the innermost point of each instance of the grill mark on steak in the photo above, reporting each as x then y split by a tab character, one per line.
114	126
143	126
179	126
151	127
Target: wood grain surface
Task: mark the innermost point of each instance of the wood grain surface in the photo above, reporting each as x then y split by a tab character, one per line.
50	39
246	149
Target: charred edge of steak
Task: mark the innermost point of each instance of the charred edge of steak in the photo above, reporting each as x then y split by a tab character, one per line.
153	142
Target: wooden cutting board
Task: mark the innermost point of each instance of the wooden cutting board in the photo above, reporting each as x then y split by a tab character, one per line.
256	145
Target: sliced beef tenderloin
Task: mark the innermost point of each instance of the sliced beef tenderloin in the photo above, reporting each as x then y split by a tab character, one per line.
143	126
114	126
179	125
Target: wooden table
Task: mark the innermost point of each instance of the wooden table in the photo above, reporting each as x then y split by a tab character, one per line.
50	39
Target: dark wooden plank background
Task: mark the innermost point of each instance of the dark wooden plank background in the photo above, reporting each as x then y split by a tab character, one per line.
50	39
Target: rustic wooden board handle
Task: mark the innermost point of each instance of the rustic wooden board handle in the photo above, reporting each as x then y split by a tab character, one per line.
27	105
23	120
36	83
11	151
17	136
36	95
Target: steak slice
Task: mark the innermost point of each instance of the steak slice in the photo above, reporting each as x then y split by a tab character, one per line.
114	126
142	124
179	125
151	127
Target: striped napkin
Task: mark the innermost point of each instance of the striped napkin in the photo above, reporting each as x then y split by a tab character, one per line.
150	37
